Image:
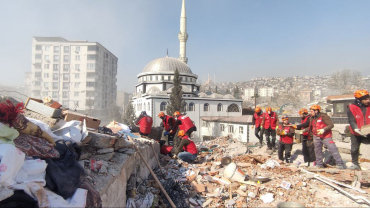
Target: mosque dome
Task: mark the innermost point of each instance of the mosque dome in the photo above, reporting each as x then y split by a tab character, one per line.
167	64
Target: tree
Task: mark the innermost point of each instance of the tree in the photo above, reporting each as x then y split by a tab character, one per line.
129	116
176	102
346	81
236	92
255	96
216	90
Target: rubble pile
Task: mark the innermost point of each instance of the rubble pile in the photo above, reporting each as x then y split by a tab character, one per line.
266	182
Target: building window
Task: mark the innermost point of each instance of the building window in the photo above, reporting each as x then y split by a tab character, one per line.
233	108
163	106
206	107
148	106
65	77
55	86
241	130
56	49
92	48
45	94
66	67
77	94
38	66
38	48
222	127
46	66
66	58
219	107
90	93
46	57
37	74
65	95
77	75
77	48
65	85
91	57
38	56
55	76
185	108
46	75
37	83
77	67
90	65
231	128
90	84
65	103
77	57
55	94
144	106
55	67
47	48
66	49
191	107
46	85
77	84
56	58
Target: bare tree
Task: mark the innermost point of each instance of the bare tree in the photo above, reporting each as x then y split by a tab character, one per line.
345	81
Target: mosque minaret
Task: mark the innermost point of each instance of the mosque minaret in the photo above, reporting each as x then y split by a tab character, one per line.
183	36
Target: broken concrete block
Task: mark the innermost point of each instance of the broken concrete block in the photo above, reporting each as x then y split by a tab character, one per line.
105	157
101	141
121	142
105	151
208	202
103	170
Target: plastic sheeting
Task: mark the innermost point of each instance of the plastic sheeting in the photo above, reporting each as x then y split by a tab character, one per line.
12	160
77	200
72	130
32	171
45	128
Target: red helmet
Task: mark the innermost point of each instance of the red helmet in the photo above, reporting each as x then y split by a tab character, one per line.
315	107
257	110
360	93
303	111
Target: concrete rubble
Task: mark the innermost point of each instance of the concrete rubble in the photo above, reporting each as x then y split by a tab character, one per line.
268	181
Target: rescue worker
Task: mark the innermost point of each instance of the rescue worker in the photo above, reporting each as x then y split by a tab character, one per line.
269	123
358	116
256	122
308	148
168	123
145	122
183	122
320	130
286	132
190	150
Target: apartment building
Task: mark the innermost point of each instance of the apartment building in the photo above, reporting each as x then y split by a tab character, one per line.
80	75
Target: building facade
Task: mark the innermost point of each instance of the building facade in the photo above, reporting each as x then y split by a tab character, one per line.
80	75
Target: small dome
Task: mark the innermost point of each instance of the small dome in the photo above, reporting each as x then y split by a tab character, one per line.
167	64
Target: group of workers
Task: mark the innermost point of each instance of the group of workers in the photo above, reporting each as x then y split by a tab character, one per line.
315	129
181	124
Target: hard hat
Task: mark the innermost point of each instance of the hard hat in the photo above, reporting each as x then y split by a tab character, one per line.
176	113
181	133
315	107
268	109
161	114
303	111
285	118
360	93
257	110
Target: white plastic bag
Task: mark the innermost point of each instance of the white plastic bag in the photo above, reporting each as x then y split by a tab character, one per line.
12	160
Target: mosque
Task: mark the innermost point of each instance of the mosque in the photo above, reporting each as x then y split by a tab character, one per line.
156	81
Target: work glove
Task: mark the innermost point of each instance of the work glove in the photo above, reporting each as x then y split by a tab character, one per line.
320	131
171	132
294	126
165	133
358	131
276	127
252	127
174	156
261	127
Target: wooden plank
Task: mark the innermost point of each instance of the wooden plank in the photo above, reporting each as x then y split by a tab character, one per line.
34	105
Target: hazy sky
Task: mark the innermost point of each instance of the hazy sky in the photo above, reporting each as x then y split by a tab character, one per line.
234	39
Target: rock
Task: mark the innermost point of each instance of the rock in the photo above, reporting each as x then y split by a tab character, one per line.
105	151
208	202
101	141
251	195
105	157
103	170
126	151
231	202
122	143
84	155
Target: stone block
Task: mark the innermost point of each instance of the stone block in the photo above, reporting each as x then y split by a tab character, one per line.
101	141
105	151
105	157
122	143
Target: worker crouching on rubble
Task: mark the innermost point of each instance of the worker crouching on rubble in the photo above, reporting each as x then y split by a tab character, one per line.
190	150
320	130
145	122
183	122
286	132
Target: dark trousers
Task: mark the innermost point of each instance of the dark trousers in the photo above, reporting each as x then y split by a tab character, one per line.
259	133
143	134
330	144
284	147
355	147
170	139
308	149
270	132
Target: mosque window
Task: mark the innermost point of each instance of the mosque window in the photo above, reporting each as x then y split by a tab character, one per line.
231	128
148	107
162	78
233	108
144	107
191	107
222	127
206	107
185	108
163	106
156	78
219	107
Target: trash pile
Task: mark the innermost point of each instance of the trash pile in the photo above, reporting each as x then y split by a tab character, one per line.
53	157
224	175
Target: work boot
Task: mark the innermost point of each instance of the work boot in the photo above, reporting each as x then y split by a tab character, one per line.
287	161
341	167
354	167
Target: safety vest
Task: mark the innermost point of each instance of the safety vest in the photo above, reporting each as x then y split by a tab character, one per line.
166	149
146	124
190	147
317	124
258	119
359	117
166	123
304	121
186	123
270	121
285	138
